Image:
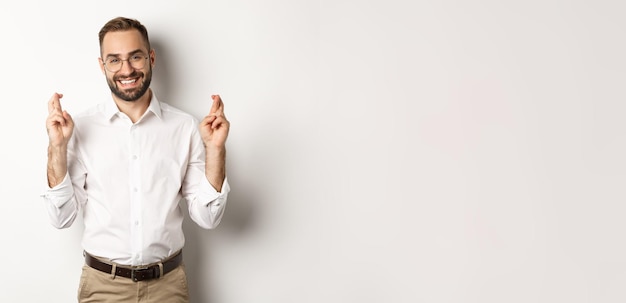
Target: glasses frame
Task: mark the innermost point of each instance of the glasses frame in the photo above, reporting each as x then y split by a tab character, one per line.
104	62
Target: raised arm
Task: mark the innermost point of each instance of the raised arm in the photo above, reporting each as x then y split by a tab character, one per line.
214	131
60	126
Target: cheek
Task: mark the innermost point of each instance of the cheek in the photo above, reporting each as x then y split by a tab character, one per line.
110	80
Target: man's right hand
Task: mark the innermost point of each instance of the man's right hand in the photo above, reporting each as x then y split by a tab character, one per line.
60	127
59	123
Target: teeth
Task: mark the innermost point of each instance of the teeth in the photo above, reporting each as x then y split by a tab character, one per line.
127	81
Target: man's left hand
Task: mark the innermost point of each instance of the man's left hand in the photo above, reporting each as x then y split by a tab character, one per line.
214	127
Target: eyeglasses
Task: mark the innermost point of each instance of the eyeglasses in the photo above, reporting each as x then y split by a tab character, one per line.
114	64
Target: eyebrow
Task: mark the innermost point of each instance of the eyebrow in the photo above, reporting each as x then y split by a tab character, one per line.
129	54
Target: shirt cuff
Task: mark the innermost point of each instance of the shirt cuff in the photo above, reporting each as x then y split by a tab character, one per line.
209	195
61	193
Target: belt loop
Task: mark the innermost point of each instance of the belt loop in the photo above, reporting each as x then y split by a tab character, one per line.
160	270
113	270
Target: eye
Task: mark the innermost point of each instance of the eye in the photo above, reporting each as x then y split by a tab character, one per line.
113	61
136	58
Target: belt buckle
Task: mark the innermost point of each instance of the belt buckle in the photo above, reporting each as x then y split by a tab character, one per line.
135	277
132	275
134	272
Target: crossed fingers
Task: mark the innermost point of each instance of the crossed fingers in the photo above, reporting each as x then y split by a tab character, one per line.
216	116
55	112
54	104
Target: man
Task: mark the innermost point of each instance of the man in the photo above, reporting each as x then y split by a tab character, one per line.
125	165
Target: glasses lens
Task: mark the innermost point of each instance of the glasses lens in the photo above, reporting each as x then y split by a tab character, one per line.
113	65
137	61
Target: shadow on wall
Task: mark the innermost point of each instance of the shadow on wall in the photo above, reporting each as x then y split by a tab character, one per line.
237	221
239	212
161	83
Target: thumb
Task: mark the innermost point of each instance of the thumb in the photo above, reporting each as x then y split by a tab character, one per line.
68	118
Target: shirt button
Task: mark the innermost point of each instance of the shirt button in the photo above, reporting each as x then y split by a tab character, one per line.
134	157
136	223
135	189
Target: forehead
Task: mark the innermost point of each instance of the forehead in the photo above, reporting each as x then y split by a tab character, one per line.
122	42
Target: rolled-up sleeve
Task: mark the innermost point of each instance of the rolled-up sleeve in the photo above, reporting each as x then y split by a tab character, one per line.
207	206
61	203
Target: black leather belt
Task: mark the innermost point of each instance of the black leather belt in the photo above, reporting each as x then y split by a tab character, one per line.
138	273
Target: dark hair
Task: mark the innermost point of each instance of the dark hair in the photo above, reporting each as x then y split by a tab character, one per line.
123	24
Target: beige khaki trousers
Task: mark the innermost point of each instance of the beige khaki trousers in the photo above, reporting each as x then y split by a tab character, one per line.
99	287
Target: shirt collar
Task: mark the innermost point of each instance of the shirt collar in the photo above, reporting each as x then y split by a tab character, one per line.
110	109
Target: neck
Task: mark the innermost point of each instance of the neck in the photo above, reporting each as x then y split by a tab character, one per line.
134	109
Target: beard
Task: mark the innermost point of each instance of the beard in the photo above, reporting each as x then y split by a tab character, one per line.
132	94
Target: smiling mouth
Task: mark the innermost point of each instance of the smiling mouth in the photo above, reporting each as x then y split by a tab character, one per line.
128	81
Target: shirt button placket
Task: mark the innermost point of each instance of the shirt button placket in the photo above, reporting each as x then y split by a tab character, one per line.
135	195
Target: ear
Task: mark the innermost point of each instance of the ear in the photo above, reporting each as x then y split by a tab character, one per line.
101	65
152	57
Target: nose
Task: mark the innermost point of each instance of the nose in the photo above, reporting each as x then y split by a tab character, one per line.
126	67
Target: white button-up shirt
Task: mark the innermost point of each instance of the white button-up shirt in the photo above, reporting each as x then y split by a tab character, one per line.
127	180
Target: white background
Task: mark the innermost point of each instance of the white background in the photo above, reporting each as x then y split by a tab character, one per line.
380	151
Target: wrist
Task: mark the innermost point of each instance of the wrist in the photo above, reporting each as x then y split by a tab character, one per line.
57	149
214	149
